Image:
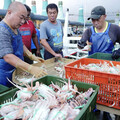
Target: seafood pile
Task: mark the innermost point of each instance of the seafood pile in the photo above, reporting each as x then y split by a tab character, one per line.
42	102
59	68
102	67
24	77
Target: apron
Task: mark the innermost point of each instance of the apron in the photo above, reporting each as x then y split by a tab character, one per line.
101	42
6	69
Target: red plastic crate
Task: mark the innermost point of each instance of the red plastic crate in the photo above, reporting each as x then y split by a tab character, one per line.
109	91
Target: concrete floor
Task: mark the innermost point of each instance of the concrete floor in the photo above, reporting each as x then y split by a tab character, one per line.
100	115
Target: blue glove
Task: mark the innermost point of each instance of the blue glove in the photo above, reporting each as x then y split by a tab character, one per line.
81	44
116	54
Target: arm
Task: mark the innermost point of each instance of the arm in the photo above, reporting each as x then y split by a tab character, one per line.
118	35
30	55
48	48
116	52
13	60
18	63
85	37
35	41
81	43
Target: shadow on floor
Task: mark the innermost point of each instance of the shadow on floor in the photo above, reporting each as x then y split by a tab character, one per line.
100	115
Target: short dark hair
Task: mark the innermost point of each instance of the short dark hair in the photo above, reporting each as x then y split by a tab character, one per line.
27	7
51	6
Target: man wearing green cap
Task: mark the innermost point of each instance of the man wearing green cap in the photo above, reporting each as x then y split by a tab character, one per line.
102	36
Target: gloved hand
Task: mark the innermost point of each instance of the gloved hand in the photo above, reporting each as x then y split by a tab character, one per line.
116	54
81	44
34	70
33	57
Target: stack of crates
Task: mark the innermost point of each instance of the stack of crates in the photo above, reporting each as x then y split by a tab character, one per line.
109	91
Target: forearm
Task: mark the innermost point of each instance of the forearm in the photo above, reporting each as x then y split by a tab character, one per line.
81	43
18	63
14	61
85	37
35	41
28	54
47	47
26	51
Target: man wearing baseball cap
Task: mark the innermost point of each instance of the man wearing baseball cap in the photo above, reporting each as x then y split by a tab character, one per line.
102	36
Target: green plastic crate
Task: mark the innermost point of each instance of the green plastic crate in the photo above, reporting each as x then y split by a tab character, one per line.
85	114
3	88
102	56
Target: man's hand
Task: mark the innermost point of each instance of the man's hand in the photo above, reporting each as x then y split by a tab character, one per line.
58	55
36	71
38	53
87	47
116	54
81	44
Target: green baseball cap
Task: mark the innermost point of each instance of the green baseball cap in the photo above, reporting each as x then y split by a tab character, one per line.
97	12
